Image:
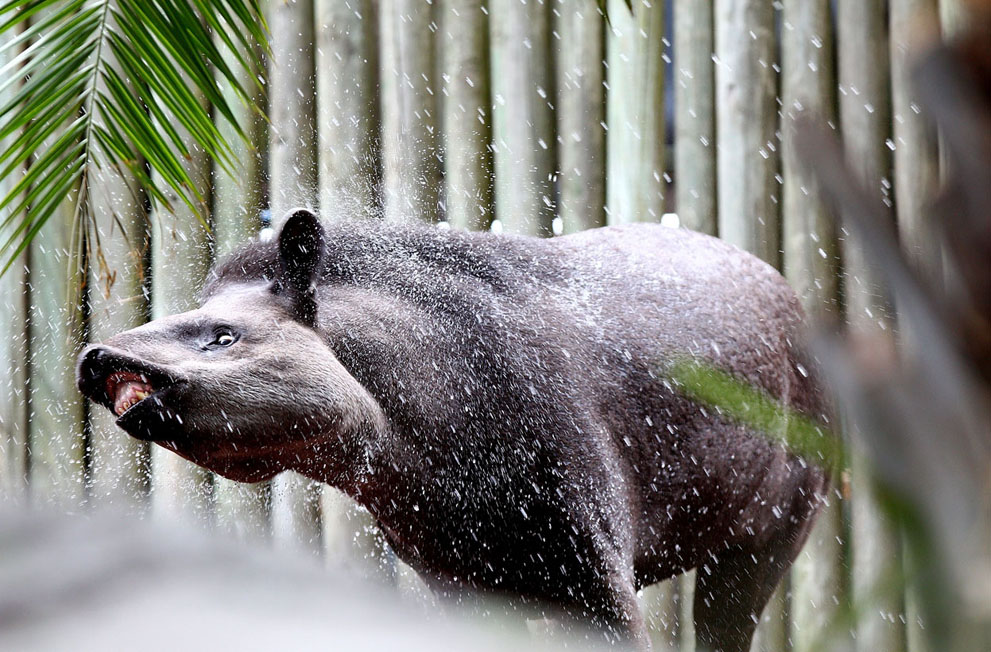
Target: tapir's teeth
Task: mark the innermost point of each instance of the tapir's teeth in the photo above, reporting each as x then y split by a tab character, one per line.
128	392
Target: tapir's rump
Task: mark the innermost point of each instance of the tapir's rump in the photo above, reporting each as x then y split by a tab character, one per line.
500	404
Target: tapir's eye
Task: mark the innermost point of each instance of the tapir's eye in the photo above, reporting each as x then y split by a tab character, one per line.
223	337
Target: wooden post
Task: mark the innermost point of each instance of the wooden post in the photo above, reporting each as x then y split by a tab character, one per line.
411	163
467	113
865	122
686	623
13	355
241	508
746	120
292	175
915	145
579	45
807	82
810	257
522	107
661	606
347	108
635	112
916	174
57	445
695	116
292	89
118	300
348	124
181	253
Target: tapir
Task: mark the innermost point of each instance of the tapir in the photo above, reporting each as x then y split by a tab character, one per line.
502	405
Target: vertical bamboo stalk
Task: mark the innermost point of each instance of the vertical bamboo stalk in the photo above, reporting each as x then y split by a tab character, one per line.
292	175
953	17
581	136
772	633
746	119
810	254
467	115
522	107
661	607
13	355
347	107
915	145
348	125
635	112
695	116
292	89
57	460
686	624
181	253
635	153
411	165
237	203
56	412
865	120
915	176
118	301
807	82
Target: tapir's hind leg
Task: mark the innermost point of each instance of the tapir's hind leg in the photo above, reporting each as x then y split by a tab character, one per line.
732	588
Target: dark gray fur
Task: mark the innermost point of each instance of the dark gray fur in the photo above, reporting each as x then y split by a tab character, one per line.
500	405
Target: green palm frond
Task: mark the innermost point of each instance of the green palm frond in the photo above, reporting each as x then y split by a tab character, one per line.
91	85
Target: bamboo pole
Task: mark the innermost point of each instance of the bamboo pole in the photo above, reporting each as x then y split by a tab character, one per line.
686	622
916	174
118	298
292	136
635	112
56	453
695	117
181	253
467	113
915	146
695	177
411	162
661	606
522	105
810	256
807	82
241	508
292	178
772	633
13	355
347	108
746	119
57	444
865	121
118	301
348	124
579	48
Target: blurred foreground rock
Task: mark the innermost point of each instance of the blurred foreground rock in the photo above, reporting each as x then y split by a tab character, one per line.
106	582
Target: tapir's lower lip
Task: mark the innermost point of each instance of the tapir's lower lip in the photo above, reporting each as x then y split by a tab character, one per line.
153	418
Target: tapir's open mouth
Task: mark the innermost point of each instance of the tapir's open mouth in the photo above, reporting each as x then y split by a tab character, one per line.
140	393
126	389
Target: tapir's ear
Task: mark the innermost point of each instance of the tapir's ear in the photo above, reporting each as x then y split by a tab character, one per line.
301	249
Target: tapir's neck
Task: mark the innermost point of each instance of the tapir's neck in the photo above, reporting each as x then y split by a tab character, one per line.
353	453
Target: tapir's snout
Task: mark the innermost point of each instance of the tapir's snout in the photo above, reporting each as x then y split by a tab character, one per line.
132	388
90	371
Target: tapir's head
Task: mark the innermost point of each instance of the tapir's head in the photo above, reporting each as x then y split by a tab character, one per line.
244	385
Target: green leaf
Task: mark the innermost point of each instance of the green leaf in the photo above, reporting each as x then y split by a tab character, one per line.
754	408
116	84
